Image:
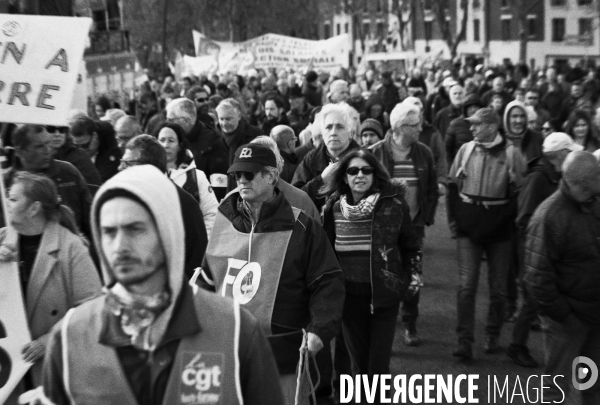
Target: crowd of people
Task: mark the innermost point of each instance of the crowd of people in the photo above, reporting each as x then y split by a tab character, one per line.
306	198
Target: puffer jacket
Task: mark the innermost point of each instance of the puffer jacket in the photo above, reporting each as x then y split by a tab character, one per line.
562	258
395	251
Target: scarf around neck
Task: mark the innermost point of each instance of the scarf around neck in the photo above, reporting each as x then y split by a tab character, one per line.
363	209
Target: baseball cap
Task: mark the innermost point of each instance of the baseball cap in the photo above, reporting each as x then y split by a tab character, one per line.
252	158
559	141
485	115
449	82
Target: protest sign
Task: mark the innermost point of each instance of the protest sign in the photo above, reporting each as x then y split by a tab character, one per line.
272	51
14	332
39	65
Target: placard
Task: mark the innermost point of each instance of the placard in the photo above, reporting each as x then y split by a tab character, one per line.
39	65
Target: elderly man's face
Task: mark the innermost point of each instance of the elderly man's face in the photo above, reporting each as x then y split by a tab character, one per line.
339	94
410	128
498	84
229	119
457	95
517	120
179	117
259	189
336	133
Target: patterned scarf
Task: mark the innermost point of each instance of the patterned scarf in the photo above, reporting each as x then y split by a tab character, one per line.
363	209
137	312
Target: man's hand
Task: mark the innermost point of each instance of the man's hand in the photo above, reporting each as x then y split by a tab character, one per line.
327	172
35	350
7	253
314	343
442	189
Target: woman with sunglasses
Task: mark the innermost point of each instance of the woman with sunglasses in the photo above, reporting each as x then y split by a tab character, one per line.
368	222
65	150
182	170
581	128
56	270
547	129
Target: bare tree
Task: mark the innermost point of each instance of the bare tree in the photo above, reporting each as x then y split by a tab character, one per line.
441	9
522	8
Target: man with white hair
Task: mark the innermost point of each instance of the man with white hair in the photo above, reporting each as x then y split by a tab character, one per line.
126	128
336	128
338	91
410	163
235	129
445	116
208	148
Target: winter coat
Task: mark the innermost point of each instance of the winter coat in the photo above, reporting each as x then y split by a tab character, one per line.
444	117
540	183
395	252
459	130
432	138
422	158
562	257
79	158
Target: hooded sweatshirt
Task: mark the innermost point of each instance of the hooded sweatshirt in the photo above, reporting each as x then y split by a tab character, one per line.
527	143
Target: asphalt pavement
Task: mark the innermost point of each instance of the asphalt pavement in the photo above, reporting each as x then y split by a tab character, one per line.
437	323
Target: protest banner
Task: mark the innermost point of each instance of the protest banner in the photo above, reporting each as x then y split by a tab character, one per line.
272	51
39	65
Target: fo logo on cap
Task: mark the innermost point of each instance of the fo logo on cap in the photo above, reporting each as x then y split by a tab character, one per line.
246	153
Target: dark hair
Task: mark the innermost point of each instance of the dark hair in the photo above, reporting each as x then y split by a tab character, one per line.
183	143
42	189
188	79
104	130
222	87
196	88
150	151
104	102
336	183
148	96
575	116
20	137
276	100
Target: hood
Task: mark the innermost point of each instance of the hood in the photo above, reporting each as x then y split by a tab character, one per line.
509	107
470	100
159	194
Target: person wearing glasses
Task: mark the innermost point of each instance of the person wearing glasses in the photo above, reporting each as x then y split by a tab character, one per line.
199	95
547	129
368	222
410	162
277	262
65	150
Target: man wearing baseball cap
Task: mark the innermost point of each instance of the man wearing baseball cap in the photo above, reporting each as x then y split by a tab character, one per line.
277	262
482	199
541	182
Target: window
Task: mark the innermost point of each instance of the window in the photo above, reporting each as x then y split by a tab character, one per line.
531	27
380	29
558	29
586	30
476	27
428	30
506	30
338	29
367	29
584	2
558	2
346	28
327	30
427	4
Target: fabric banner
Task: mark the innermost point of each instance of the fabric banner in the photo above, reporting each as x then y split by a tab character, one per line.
40	59
271	51
14	331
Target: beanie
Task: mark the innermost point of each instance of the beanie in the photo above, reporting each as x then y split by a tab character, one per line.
371	125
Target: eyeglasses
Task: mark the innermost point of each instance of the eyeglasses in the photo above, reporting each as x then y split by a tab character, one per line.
202	100
247	175
52	129
366	170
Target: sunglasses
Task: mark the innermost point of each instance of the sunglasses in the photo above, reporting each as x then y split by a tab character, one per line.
248	175
366	170
202	100
52	129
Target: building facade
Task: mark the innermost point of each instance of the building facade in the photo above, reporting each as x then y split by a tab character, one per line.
556	32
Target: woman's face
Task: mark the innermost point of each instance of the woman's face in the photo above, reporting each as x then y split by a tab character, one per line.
376	110
58	136
359	183
168	139
581	128
99	111
547	129
18	207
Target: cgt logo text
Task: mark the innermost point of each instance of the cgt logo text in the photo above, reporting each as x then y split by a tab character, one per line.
201	378
464	388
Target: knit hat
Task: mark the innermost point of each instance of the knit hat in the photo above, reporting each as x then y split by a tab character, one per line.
372	125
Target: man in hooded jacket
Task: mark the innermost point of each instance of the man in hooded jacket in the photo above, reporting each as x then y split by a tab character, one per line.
152	338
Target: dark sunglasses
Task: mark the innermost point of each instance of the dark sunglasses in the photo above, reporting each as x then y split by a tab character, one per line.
366	170
202	100
52	129
248	175
546	129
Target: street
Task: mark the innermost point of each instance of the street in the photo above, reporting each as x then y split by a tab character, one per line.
437	323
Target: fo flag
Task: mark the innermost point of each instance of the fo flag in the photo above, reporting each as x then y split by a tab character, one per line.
39	65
